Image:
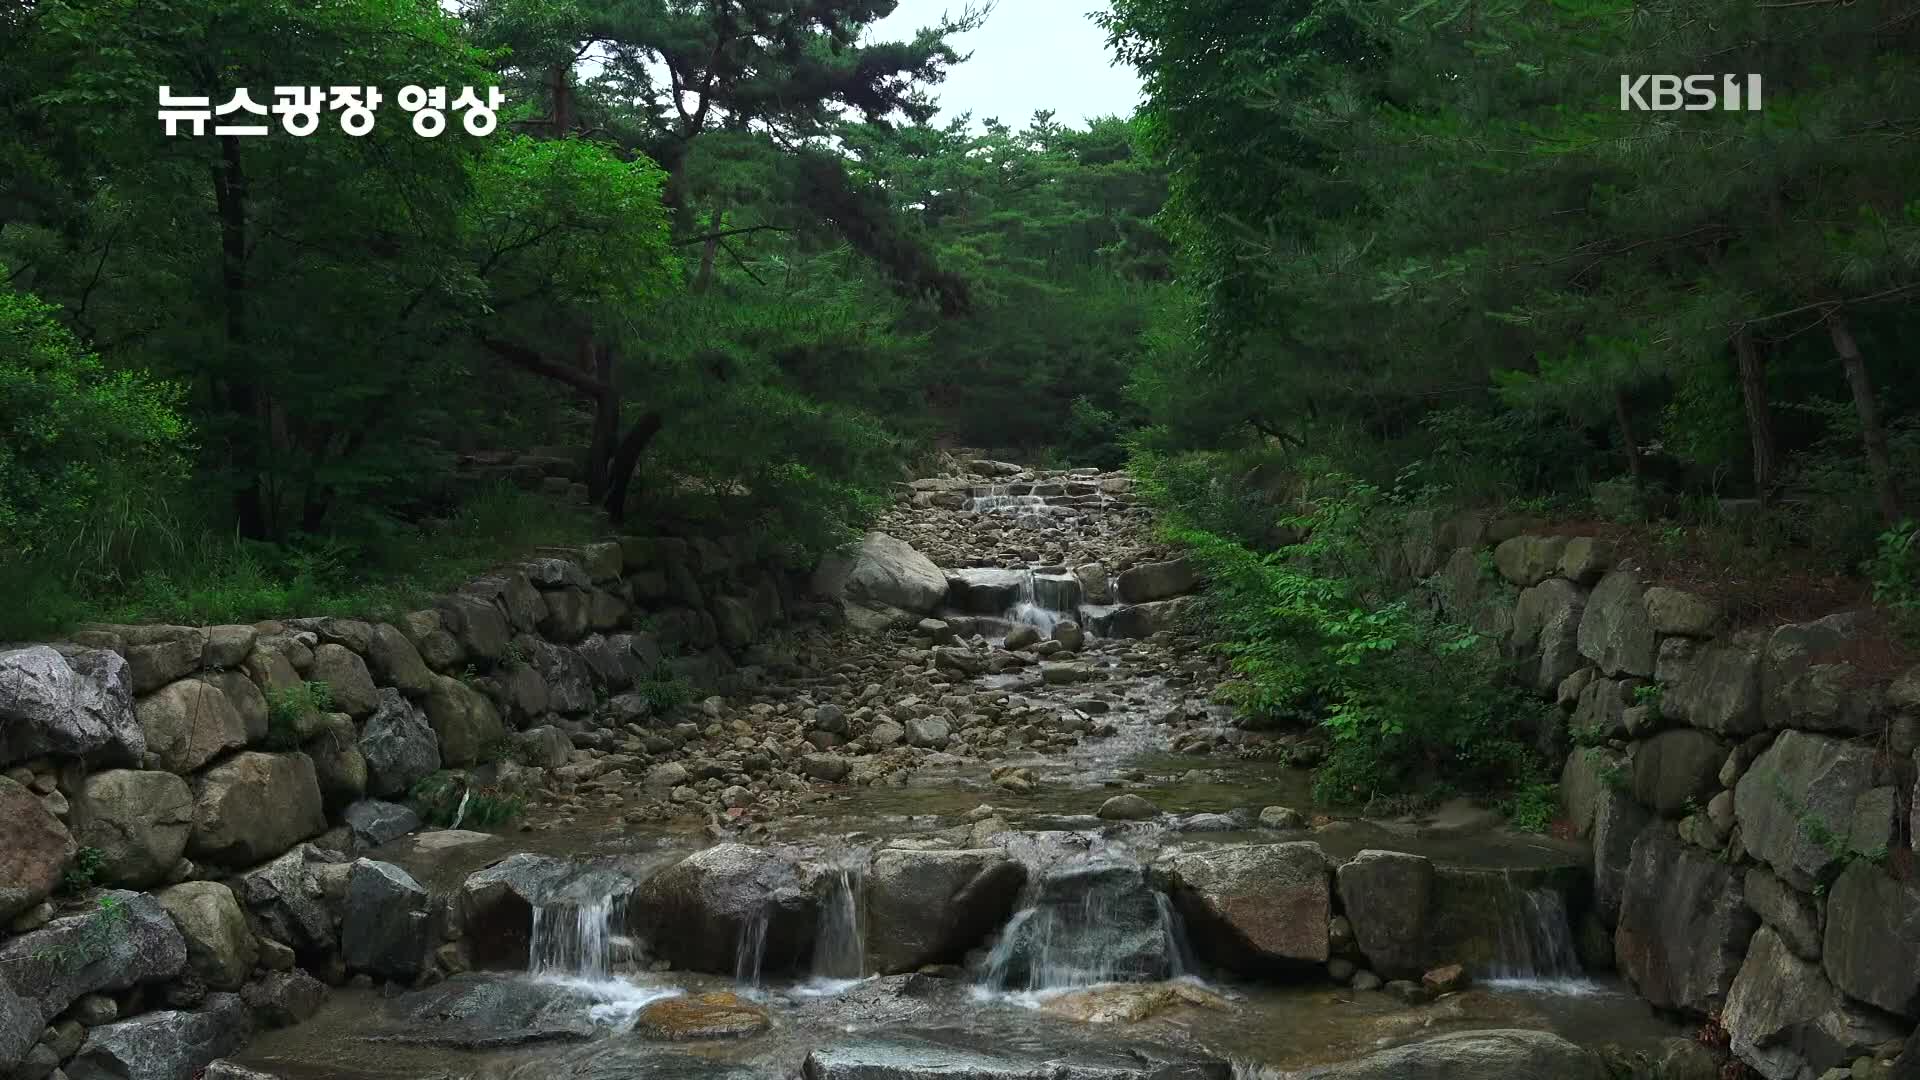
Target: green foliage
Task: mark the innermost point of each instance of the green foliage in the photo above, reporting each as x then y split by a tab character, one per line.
291	708
91	944
80	873
1895	573
1532	807
665	691
439	799
1317	636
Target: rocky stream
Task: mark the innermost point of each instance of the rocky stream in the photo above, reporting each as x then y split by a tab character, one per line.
977	817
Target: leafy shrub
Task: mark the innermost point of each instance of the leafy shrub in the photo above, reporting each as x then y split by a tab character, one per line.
288	706
1532	807
444	798
665	691
80	874
1894	570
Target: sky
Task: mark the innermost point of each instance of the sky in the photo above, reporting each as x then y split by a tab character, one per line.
1031	54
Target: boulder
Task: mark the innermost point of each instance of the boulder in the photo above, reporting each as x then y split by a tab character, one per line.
1600	710
383	930
20	1026
254	806
1618	821
393	660
463	719
349	684
1590	772
1527	561
882	573
695	912
1021	637
246	699
929	733
494	907
930	907
126	941
826	768
568	616
338	765
1790	914
567	675
221	950
1871	949
1256	905
1385	896
284	998
1718	689
1615	632
1586	558
1514	1054
946	1055
174	1044
1128	808
1795	804
78	706
228	646
1155	581
1677	769
1785	1019
189	723
1672	611
479	628
374	822
1546	629
716	1015
733	618
35	849
399	746
286	898
1684	924
157	655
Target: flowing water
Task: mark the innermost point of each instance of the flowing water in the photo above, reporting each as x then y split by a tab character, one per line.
839	947
1536	950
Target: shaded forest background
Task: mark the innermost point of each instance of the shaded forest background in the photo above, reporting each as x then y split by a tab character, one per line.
1348	253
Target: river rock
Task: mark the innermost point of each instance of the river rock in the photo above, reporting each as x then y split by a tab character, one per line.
985	591
567	675
695	911
127	940
1155	581
374	822
67	706
1684	924
169	1045
930	907
930	733
1676	769
935	1055
1385	895
220	948
349	684
1785	1019
1023	636
284	998
494	907
157	655
253	806
384	928
1872	945
882	573
394	661
1468	1055
34	849
1128	808
189	723
1800	791
1256	905
463	719
399	746
719	1015
1615	632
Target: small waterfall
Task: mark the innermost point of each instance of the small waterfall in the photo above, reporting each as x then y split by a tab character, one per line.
575	939
1044	601
839	946
1534	946
751	951
1001	498
1088	926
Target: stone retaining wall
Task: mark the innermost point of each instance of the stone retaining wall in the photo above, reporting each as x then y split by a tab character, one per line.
177	803
1748	794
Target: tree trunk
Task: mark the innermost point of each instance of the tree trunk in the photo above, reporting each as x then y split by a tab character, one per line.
606	415
1624	417
243	396
1753	393
625	461
562	86
1879	460
707	252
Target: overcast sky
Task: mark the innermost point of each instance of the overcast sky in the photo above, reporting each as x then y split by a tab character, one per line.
1032	54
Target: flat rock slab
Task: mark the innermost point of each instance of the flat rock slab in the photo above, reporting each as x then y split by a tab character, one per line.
480	1012
958	1056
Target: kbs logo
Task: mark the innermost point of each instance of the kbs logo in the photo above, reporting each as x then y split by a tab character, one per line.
1693	93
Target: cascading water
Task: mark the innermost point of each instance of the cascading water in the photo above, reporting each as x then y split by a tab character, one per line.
1086	926
839	946
750	952
1001	498
461	814
576	939
1535	944
1044	601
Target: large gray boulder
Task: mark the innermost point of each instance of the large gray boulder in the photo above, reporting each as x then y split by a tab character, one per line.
1718	689
1468	1055
373	822
1675	771
127	940
463	719
1787	1021
1618	821
494	907
1790	913
173	1044
695	912
157	655
1255	906
1546	629
1615	632
1527	561
928	907
384	928
1795	804
393	661
1385	896
399	746
20	1026
189	723
1872	945
882	573
1684	924
61	706
478	627
287	899
1155	581
567	675
34	849
988	591
221	949
349	683
254	806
